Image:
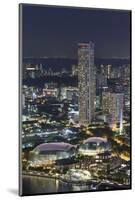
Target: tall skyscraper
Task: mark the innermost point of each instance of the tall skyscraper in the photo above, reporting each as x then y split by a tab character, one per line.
112	104
117	106
86	82
106	98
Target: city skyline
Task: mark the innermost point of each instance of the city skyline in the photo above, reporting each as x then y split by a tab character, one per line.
45	33
75	113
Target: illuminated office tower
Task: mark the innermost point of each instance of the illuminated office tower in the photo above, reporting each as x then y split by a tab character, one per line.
106	98
116	106
112	104
86	82
108	71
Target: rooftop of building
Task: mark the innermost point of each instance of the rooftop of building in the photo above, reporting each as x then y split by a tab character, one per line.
55	146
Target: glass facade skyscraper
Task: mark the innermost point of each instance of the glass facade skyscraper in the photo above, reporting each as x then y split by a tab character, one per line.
86	82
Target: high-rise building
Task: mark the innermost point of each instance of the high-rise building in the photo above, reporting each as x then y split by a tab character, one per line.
106	98
109	67
106	70
86	82
116	106
112	104
127	97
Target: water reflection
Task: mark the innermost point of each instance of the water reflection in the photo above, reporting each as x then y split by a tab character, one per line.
37	185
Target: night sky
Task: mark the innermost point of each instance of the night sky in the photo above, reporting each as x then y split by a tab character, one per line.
55	31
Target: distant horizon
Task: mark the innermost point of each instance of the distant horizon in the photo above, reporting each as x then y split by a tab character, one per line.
45	57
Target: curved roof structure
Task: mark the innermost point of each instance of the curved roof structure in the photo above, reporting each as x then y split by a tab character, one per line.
96	139
94	145
56	146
